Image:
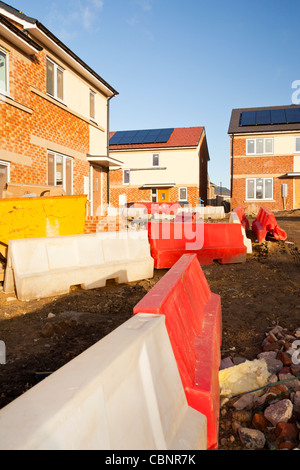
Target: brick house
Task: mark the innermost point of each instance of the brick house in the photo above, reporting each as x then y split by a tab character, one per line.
265	157
160	165
53	116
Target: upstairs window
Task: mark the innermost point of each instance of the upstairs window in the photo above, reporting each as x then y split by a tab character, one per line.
155	159
259	146
55	80
3	71
92	105
297	145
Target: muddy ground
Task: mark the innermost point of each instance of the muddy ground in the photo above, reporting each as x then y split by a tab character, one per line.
43	335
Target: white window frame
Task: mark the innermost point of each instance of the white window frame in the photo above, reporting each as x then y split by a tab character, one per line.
92	93
6	92
264	189
57	67
179	190
155	155
264	143
297	139
64	177
154	195
126	184
7	164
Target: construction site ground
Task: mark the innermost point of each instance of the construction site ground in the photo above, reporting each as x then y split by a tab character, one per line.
42	335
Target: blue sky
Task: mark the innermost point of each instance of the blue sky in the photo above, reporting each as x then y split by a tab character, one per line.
183	63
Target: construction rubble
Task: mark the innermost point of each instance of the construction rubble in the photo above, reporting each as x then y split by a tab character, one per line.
260	399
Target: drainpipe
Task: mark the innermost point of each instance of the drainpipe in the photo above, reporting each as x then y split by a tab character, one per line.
108	119
232	154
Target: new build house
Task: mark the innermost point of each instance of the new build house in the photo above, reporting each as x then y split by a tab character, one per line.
159	165
53	116
265	157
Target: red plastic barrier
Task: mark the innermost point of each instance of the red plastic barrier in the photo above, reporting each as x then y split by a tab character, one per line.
194	325
209	241
264	223
242	217
158	208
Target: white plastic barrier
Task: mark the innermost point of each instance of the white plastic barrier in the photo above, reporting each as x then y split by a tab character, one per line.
44	267
234	219
210	212
124	393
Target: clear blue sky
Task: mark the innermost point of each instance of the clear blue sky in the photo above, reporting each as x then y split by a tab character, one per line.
182	63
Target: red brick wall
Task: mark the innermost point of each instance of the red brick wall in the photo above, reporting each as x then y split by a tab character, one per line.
104	224
265	166
135	194
47	121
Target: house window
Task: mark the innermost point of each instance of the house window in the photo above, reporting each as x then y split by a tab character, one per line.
126	176
297	144
3	72
259	146
183	194
154	195
60	171
259	188
55	80
155	159
4	176
92	105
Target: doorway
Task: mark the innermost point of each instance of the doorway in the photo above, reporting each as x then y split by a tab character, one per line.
163	195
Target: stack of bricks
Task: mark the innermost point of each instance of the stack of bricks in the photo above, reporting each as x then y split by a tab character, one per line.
104	224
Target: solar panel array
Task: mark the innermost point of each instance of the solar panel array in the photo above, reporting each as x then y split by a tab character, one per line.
270	117
151	136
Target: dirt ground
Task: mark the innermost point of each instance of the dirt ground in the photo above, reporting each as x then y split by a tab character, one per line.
43	335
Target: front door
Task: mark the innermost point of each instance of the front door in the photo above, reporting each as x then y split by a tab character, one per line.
163	195
3	178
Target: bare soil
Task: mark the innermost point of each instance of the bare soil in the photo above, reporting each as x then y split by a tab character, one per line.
43	335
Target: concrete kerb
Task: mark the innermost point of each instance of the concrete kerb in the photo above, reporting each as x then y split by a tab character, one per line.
124	393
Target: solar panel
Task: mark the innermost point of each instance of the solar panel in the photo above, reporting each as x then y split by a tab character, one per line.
116	138
292	115
263	117
139	137
151	136
248	118
164	135
278	116
127	137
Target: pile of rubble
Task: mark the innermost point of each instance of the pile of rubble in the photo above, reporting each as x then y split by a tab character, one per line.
265	416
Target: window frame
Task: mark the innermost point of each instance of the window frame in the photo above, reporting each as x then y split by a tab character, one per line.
6	54
65	158
92	93
179	190
124	183
158	156
154	195
56	68
255	146
264	189
297	138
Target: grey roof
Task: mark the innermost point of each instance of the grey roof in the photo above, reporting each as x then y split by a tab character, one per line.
235	128
16	12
